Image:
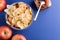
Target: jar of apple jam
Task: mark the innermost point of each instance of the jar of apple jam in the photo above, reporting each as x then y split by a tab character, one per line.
47	3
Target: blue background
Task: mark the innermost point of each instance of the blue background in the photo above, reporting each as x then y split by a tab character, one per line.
47	26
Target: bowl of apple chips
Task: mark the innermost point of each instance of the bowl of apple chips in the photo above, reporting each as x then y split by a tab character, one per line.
19	15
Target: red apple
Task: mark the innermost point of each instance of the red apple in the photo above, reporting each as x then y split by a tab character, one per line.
5	32
18	37
2	4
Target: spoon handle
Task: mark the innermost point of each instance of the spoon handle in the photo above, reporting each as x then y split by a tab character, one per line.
38	11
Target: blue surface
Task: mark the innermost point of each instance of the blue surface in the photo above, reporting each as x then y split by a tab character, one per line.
47	26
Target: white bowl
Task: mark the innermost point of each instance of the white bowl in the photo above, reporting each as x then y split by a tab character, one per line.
28	25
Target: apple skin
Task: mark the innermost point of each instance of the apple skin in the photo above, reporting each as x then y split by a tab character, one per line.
5	32
2	4
18	37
